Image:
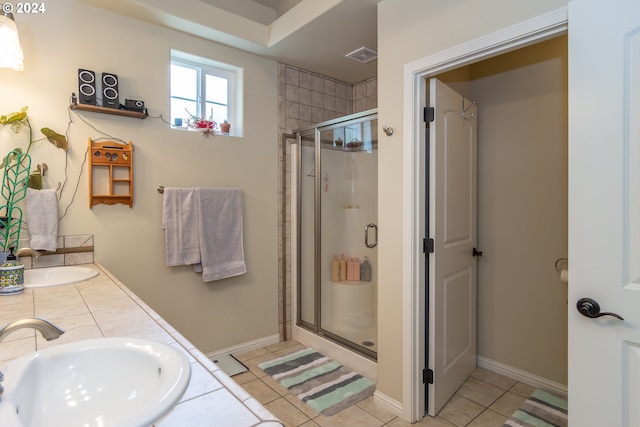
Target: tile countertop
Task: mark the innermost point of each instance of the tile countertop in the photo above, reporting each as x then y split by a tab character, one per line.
104	307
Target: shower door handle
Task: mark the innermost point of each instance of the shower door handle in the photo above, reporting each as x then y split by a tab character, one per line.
366	235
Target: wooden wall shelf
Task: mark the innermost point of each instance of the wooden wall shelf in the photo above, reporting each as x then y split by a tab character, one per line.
106	110
110	173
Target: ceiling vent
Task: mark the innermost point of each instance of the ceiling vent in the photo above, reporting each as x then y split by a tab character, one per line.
363	54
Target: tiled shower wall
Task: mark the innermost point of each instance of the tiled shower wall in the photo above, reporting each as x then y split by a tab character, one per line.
306	98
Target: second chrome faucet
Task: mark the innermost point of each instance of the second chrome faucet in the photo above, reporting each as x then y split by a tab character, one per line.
48	330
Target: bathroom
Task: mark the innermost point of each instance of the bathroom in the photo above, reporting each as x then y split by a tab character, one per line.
129	241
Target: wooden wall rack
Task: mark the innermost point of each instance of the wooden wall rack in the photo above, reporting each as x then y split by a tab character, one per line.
110	173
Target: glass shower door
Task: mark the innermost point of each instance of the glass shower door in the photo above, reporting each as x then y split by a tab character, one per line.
348	241
337	227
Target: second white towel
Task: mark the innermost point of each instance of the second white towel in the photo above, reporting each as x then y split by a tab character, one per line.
42	219
203	228
221	247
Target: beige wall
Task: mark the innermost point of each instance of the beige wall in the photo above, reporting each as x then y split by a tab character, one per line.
409	30
130	241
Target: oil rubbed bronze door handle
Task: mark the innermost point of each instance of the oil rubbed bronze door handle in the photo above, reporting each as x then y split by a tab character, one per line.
590	308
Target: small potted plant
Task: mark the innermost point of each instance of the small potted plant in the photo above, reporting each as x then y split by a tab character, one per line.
225	126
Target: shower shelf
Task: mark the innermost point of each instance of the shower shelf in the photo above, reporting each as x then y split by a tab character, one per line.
327	144
353	282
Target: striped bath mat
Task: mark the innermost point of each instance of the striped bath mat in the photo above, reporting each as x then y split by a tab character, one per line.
541	409
320	382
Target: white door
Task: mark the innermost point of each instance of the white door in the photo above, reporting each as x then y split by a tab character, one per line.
604	211
451	278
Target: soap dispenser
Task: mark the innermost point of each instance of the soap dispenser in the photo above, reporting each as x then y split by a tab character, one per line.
11	275
365	270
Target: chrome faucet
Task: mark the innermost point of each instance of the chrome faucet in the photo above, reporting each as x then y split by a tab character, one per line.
48	330
28	251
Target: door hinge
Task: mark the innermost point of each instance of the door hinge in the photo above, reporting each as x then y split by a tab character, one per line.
427	376
429	114
427	246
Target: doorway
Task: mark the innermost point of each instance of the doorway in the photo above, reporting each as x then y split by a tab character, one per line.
490	268
522	209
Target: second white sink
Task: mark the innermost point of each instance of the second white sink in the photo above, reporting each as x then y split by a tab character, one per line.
94	383
53	276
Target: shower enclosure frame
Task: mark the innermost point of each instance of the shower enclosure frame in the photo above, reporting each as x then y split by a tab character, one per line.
317	327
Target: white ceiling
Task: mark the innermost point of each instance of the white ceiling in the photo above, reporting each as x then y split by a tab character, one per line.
316	41
321	45
279	6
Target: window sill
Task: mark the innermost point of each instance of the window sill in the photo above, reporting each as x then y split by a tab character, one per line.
216	133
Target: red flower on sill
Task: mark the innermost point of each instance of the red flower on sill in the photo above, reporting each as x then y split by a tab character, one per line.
207	126
204	124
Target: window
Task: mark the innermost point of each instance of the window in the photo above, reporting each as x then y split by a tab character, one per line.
203	88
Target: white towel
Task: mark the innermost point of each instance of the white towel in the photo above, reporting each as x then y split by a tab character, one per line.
180	223
42	219
203	228
221	236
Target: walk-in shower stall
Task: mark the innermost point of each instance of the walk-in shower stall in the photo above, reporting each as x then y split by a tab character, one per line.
335	181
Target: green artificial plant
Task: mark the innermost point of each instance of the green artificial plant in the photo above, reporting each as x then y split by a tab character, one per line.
17	175
17	121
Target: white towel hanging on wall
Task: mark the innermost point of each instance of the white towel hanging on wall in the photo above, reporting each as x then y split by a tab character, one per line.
221	234
180	223
42	219
203	228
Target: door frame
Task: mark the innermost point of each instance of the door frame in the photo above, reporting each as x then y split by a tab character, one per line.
414	288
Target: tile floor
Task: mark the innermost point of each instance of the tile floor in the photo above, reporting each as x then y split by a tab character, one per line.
485	400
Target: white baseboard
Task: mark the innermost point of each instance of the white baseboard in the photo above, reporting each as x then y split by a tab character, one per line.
523	376
245	347
388	403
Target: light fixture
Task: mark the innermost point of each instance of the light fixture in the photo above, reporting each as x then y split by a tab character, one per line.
11	55
363	54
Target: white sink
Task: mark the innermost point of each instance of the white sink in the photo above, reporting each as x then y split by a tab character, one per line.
52	276
94	383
